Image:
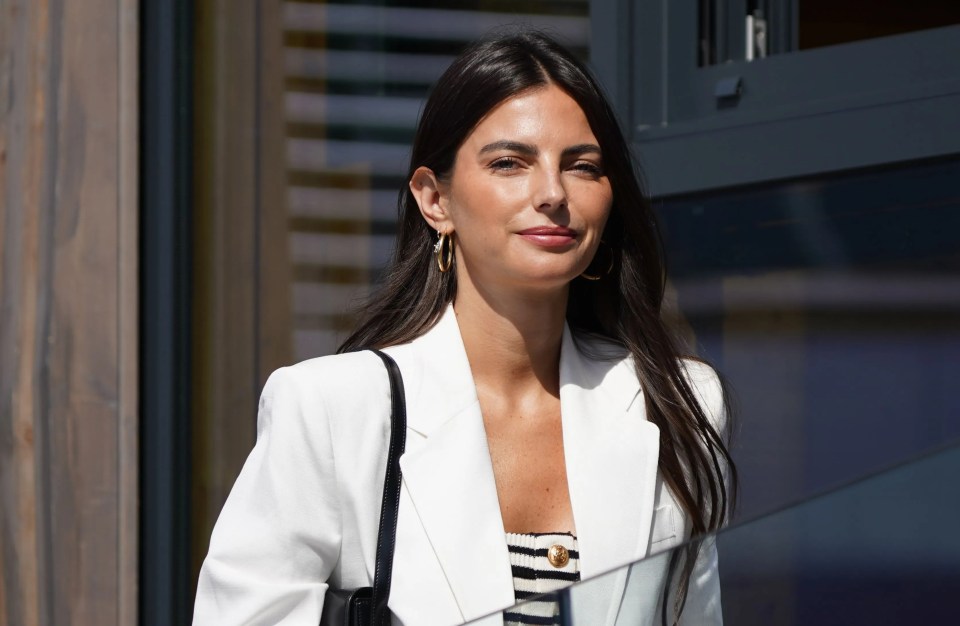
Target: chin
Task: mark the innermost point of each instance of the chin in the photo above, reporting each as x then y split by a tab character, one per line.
549	279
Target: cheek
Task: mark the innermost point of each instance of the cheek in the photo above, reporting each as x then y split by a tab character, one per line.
479	201
605	202
607	209
595	207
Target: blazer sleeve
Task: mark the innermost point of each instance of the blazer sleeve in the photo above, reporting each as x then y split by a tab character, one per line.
278	536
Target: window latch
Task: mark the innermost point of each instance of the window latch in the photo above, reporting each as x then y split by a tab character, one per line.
728	88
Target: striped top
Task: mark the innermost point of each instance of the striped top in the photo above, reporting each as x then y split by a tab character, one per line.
541	563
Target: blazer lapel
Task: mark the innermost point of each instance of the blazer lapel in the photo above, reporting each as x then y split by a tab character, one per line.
448	474
611	455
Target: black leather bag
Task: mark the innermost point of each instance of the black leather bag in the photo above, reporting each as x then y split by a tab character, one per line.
367	606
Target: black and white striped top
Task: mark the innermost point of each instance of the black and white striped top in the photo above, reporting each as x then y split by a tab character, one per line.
541	563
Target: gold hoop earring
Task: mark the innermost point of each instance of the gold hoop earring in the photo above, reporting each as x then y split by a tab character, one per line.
609	266
444	259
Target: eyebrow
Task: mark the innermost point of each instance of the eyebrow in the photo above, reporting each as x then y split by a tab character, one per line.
529	150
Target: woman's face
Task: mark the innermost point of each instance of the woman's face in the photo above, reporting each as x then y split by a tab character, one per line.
528	197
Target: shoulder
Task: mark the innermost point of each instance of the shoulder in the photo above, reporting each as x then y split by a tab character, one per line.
605	354
340	373
330	385
340	368
707	386
600	349
700	374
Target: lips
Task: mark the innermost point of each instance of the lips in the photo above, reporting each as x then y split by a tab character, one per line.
550	231
550	236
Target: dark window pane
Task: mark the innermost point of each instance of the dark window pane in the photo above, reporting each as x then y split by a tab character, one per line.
829	303
829	22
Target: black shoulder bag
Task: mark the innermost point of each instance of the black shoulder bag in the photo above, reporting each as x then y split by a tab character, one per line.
367	606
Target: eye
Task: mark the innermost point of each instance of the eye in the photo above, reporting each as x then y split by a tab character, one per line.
588	167
505	163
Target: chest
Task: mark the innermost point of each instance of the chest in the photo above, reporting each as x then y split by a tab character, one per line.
529	467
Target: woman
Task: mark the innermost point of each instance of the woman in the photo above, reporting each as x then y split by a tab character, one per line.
547	404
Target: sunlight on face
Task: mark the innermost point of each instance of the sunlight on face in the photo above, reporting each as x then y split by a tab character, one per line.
528	196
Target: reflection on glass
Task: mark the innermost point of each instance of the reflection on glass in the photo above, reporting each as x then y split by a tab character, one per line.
884	551
880	551
833	307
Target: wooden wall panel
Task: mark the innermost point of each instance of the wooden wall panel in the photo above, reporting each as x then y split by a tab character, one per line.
23	64
128	398
68	319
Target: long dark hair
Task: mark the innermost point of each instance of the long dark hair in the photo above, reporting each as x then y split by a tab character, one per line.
623	307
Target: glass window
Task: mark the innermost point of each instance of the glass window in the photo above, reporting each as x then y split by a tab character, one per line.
356	77
880	551
752	29
304	112
833	306
823	23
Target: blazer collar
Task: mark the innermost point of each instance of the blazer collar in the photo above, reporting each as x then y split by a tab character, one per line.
447	471
444	383
440	382
611	456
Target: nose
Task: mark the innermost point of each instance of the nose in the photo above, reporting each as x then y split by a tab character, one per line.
549	193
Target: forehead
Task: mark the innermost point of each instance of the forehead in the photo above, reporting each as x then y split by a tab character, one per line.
535	116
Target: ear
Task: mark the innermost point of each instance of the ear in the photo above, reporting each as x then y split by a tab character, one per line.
430	195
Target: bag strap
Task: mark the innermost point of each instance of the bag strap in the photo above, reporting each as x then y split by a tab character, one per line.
387	535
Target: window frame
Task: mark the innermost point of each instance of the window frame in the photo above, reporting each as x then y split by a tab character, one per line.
799	113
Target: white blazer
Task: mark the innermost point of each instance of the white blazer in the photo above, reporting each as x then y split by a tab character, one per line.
304	511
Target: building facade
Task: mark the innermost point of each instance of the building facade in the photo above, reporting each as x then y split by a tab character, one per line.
197	193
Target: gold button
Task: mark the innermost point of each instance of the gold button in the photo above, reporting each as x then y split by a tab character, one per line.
558	555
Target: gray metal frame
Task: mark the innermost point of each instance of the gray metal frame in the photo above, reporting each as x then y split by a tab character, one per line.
866	103
166	99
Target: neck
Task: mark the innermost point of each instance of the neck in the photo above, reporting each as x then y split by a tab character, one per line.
512	342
